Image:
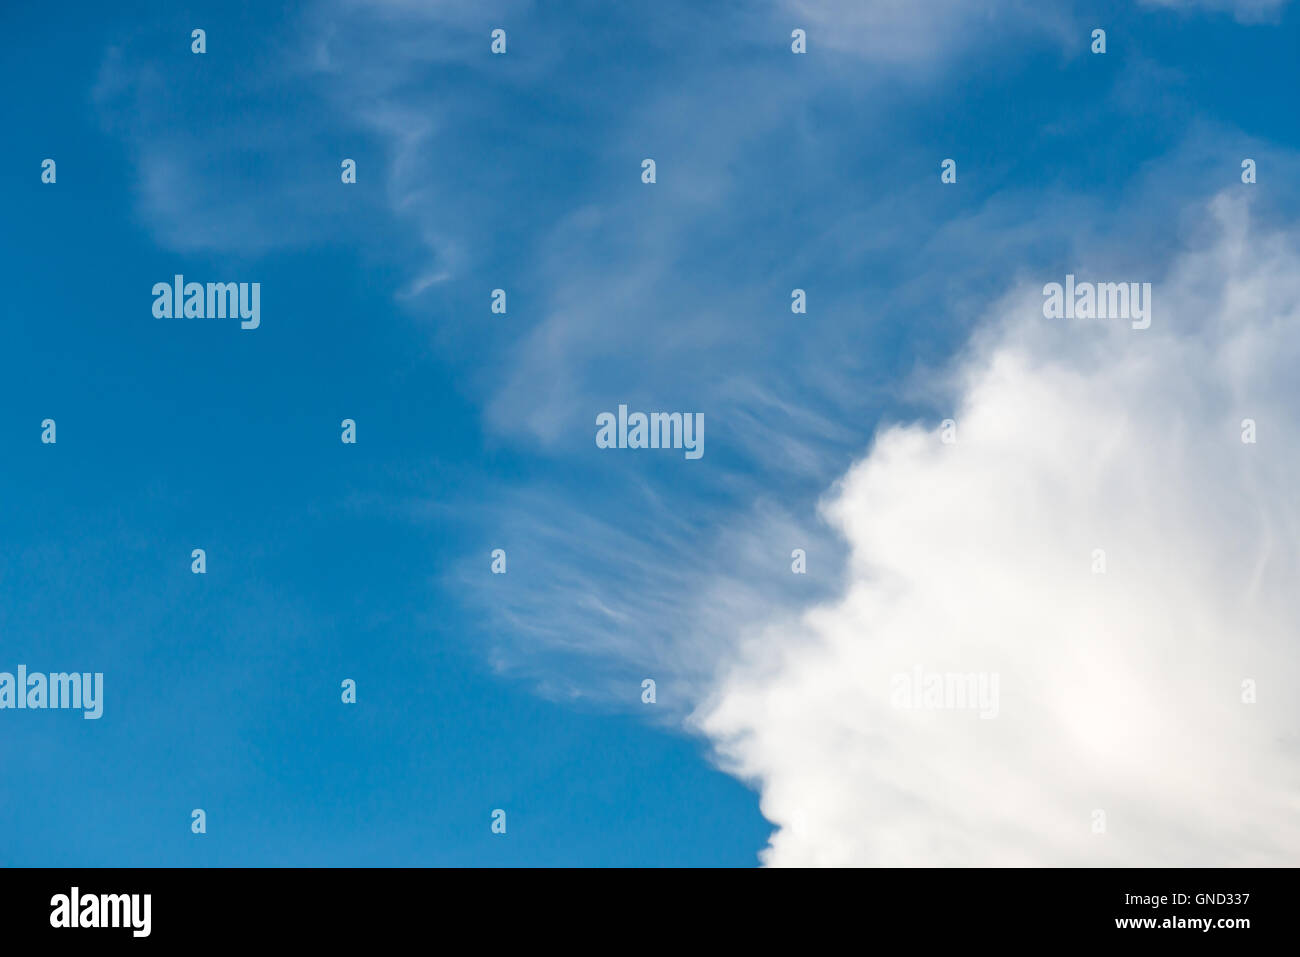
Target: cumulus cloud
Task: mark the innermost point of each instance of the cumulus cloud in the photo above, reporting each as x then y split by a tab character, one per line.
1119	692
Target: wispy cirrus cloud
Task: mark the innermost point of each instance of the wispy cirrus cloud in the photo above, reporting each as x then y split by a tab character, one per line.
677	296
915	34
1244	11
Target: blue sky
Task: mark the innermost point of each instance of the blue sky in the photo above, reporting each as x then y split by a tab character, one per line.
371	561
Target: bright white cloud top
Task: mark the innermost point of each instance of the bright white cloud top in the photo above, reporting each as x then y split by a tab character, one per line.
1120	692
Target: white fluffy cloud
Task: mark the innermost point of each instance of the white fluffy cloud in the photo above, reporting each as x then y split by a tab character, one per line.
1119	692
